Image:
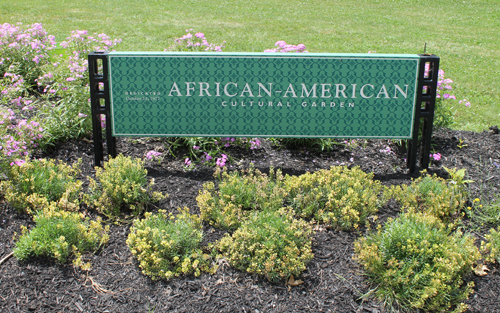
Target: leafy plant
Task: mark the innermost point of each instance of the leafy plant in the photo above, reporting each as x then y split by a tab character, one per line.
32	185
457	177
492	248
433	195
238	194
417	263
269	243
341	197
121	185
60	235
168	245
488	214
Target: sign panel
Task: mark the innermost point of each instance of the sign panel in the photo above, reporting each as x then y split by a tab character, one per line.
263	94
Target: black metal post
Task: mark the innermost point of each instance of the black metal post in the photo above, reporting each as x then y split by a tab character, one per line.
426	103
99	89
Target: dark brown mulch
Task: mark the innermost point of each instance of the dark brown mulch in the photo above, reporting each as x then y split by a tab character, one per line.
333	282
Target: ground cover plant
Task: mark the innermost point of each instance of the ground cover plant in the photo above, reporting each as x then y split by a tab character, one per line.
416	262
168	245
238	195
60	235
271	243
34	184
121	186
433	195
340	197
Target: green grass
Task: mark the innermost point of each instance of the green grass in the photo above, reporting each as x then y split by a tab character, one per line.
463	33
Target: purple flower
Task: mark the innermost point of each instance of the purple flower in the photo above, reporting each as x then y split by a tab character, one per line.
199	35
196	147
187	161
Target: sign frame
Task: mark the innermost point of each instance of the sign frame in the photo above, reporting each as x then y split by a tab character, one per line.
105	102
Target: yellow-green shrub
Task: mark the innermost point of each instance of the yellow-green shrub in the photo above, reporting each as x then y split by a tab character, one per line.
168	245
341	197
416	262
121	185
492	247
36	183
430	194
238	194
60	235
269	243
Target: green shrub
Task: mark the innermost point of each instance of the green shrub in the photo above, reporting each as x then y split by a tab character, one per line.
121	184
34	184
416	262
432	195
341	197
238	194
269	243
168	245
60	235
492	247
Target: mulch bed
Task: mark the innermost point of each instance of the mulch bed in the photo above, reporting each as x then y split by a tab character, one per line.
333	282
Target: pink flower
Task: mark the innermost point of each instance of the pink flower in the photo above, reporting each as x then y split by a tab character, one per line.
17	162
153	154
221	161
280	43
465	102
187	161
199	35
435	156
196	147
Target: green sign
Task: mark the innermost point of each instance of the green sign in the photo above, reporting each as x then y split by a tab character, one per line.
263	94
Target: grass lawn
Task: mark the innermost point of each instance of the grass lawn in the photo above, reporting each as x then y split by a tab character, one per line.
463	33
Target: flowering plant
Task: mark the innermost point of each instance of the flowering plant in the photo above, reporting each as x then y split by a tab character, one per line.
195	43
18	137
65	89
282	46
24	50
154	156
443	111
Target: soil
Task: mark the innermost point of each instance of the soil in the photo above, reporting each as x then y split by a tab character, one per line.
333	281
